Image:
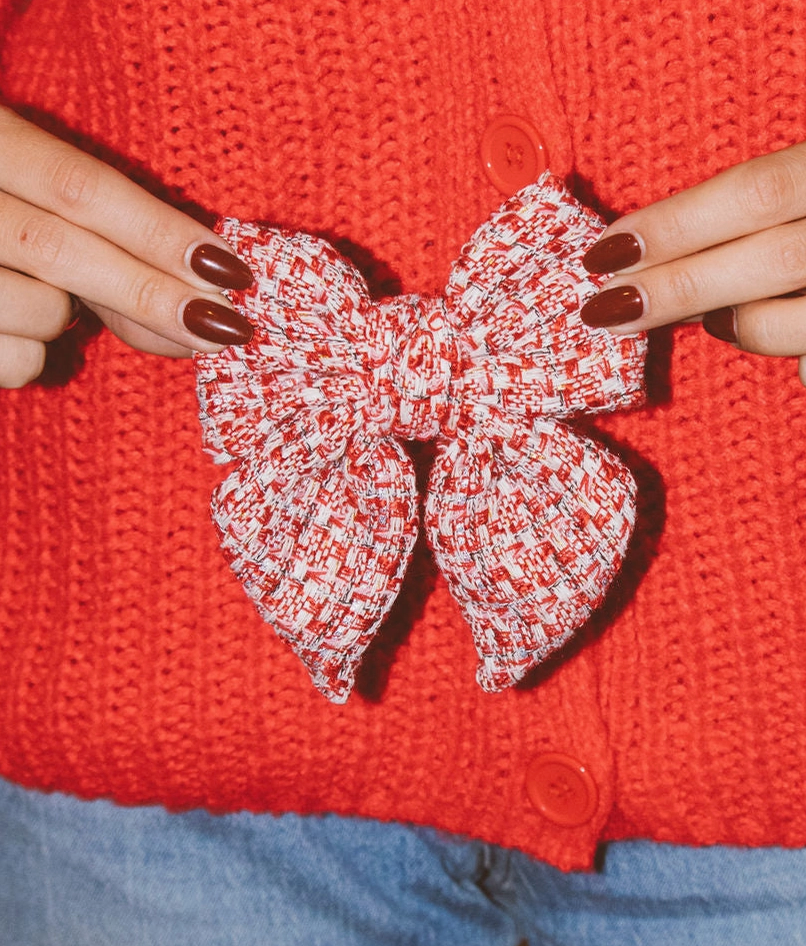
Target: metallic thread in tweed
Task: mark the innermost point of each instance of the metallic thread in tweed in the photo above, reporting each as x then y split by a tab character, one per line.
528	521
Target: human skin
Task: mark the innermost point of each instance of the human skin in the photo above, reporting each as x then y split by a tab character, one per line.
731	250
74	228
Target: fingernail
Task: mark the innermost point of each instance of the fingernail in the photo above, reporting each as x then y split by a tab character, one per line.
216	323
75	312
612	254
721	324
220	268
613	307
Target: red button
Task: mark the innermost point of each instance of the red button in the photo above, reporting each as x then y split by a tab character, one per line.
562	789
512	153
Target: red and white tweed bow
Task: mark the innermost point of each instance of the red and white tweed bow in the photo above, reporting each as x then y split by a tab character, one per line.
528	521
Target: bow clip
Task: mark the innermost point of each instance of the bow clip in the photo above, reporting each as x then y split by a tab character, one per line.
528	520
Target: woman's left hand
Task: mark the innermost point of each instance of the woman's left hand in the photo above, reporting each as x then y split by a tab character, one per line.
731	251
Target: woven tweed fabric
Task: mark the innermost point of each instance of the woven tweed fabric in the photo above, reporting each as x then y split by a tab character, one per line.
528	521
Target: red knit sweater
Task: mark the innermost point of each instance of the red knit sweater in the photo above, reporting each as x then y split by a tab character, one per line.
134	666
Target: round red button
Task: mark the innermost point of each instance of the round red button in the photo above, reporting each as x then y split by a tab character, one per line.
512	153
562	789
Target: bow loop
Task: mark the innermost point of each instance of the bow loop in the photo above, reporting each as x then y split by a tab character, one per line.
528	521
309	311
516	291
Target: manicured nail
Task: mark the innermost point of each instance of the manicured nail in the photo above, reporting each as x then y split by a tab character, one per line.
216	323
721	324
613	307
612	254
220	268
75	312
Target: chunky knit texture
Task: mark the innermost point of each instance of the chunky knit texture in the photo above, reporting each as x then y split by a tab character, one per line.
133	664
528	522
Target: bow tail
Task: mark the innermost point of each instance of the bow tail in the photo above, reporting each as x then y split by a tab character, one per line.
323	554
529	528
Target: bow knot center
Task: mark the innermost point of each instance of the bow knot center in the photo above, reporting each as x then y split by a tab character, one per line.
414	369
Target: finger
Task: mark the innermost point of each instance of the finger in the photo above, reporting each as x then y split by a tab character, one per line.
136	336
760	266
84	264
48	173
32	309
756	195
773	327
21	360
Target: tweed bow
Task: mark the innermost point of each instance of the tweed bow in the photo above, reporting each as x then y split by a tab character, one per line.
528	521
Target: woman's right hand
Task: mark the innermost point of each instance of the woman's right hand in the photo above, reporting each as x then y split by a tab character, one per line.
73	228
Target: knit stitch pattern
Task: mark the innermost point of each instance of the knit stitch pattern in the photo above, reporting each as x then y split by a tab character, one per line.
528	522
133	664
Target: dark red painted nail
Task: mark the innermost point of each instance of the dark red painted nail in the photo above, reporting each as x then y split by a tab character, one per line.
613	307
220	268
612	254
721	324
216	323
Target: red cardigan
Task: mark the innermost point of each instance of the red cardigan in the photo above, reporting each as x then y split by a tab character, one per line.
134	666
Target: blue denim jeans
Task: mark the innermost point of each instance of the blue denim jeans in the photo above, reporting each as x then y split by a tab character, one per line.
75	873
